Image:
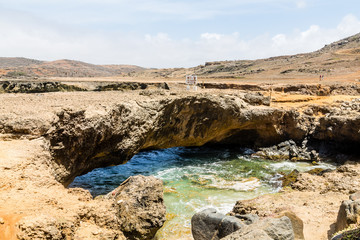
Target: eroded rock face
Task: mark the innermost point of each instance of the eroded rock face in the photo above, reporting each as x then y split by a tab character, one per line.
140	206
134	210
81	141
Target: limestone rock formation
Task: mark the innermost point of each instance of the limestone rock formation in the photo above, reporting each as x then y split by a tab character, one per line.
81	142
140	206
82	139
135	210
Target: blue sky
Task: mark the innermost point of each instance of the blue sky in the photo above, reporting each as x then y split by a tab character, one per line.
171	33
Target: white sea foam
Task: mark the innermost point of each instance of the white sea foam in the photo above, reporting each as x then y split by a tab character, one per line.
301	166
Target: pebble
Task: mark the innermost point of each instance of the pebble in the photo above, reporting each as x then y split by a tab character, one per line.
2	221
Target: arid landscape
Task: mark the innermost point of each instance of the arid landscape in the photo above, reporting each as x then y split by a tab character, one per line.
64	118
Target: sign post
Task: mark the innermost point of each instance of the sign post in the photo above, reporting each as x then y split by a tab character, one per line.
191	80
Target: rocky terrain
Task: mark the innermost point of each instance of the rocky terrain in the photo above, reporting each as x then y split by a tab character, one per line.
47	139
52	131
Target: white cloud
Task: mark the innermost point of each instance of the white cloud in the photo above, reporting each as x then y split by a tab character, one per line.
349	25
301	4
158	38
211	36
279	40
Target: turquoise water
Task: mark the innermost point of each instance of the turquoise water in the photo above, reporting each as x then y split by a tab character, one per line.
194	179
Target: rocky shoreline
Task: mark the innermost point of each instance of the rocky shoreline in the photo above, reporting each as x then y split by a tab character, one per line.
50	138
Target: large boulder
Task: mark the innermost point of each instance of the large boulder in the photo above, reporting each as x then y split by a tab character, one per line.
140	206
266	229
210	224
244	208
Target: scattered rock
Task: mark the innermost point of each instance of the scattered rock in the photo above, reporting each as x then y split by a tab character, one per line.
288	150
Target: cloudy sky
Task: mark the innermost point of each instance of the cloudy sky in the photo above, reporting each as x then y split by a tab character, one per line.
171	33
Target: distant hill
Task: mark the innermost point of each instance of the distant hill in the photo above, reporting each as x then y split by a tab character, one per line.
338	58
11	62
23	67
341	57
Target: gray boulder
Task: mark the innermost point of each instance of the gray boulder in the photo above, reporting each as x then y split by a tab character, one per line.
252	235
267	229
210	224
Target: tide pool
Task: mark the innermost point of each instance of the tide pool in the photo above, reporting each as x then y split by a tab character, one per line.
195	179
